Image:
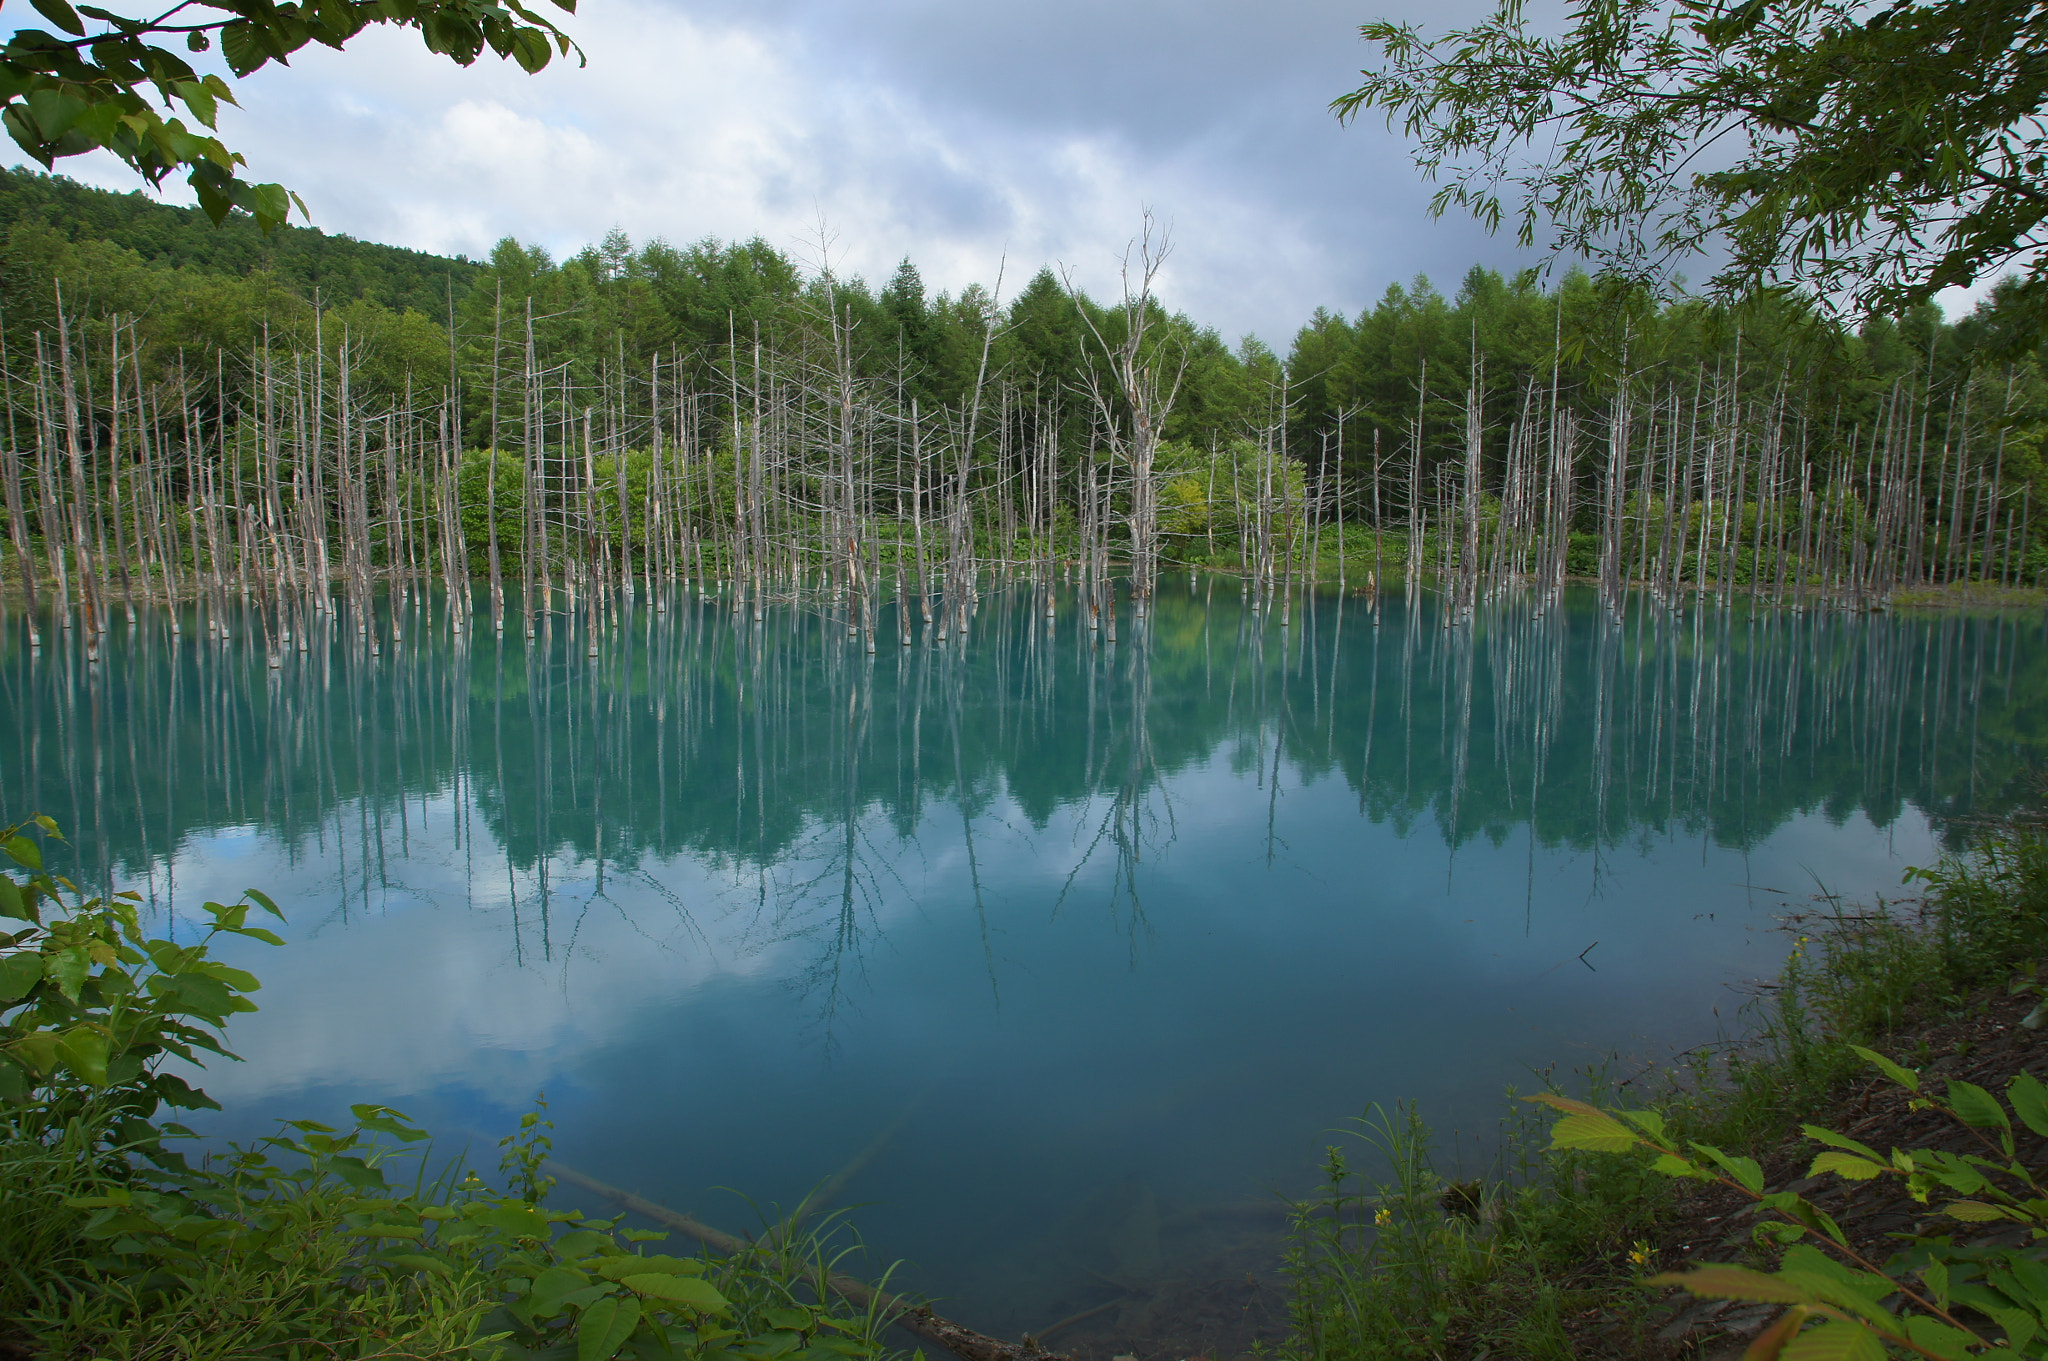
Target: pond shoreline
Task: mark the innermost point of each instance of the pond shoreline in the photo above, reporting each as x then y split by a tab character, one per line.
1558	1263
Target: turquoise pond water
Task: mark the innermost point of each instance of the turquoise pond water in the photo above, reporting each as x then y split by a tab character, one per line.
1056	958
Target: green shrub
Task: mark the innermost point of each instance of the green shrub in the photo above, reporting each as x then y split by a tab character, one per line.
304	1244
1933	1297
1390	1270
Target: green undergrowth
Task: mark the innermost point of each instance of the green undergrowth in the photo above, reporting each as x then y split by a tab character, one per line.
1394	1258
120	1239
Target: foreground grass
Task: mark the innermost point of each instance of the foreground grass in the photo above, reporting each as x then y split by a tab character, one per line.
333	1243
1414	1265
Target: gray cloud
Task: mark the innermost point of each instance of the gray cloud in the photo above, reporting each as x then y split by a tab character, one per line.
959	135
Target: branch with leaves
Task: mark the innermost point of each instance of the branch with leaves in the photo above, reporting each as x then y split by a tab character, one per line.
1870	155
114	86
1937	1299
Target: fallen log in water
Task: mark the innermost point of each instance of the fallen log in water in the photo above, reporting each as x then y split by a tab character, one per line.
916	1319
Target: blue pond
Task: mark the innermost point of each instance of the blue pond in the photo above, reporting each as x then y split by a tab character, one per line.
1052	958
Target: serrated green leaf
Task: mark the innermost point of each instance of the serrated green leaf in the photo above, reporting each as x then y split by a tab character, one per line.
1597	1131
68	969
1845	1165
1939	1338
23	851
1770	1343
1744	1170
2020	1326
1935	1277
1735	1283
2030	1102
1976	1107
1841	1141
1973	1211
1905	1077
1831	1340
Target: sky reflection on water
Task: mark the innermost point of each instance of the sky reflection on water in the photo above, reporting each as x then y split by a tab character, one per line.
1070	950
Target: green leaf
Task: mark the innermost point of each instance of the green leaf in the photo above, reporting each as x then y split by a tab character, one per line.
1841	1141
12	903
19	848
1834	1341
14	1083
385	1120
200	100
626	1264
1905	1077
241	980
544	1298
1597	1131
1845	1165
418	1261
1734	1283
521	1221
1939	1338
1744	1170
688	1291
604	1328
1976	1107
1771	1341
62	15
1973	1211
19	973
2020	1326
84	1051
37	1051
2030	1101
359	1174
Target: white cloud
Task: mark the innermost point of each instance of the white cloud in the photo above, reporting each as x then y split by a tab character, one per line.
1007	133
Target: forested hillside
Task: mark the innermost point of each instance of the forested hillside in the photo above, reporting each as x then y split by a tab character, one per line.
714	411
305	259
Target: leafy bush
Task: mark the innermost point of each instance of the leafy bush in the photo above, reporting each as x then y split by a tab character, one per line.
1392	1270
304	1244
1934	1297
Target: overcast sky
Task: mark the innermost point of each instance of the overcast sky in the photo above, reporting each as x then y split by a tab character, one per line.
968	136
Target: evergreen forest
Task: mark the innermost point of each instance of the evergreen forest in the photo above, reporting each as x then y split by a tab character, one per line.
195	412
